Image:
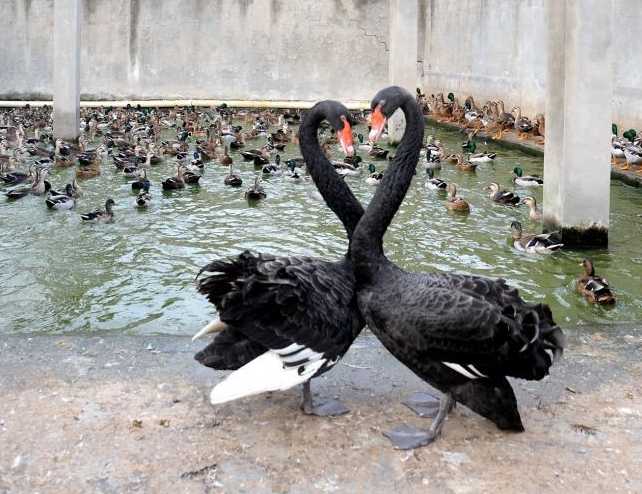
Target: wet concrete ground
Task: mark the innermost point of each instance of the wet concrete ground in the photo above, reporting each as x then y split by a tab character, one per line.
130	414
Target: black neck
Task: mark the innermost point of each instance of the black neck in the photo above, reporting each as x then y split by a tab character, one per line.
332	187
367	242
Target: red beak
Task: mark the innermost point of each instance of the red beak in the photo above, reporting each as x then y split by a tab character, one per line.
377	124
345	137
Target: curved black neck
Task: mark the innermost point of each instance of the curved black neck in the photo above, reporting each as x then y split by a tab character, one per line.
367	242
332	187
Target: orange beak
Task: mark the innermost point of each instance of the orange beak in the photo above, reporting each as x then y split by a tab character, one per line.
345	137
377	124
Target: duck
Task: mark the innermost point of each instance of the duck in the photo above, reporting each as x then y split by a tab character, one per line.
454	202
502	196
526	180
256	192
378	152
365	146
101	215
143	199
432	162
437	183
273	168
191	178
375	177
141	183
176	182
533	243
34	188
479	157
293	173
534	213
468	333
62	201
232	179
226	159
594	288
15	178
522	125
343	168
465	165
283	320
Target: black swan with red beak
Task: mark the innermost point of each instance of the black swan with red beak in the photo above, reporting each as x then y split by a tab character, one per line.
461	334
286	319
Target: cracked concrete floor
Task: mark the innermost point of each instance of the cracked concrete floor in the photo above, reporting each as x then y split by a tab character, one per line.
117	413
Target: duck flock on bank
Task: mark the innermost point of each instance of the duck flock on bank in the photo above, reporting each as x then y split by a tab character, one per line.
285	320
493	119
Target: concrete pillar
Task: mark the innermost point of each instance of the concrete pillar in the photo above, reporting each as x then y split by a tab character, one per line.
67	16
402	56
578	120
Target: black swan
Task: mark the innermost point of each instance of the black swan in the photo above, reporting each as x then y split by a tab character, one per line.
286	319
461	334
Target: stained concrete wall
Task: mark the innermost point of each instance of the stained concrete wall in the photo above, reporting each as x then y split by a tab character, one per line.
201	49
497	49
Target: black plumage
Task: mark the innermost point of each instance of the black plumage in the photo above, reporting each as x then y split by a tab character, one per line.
277	301
461	334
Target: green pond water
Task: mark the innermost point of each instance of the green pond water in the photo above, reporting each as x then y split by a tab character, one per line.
136	274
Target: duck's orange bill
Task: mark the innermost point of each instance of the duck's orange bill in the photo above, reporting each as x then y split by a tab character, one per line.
345	137
377	124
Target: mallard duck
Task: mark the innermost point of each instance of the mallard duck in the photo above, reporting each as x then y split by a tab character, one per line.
501	196
526	180
190	177
454	202
435	183
38	186
465	165
432	162
15	178
378	153
366	146
256	192
353	160
539	129
226	159
633	155
232	179
534	213
533	243
478	157
141	183
62	201
375	177
273	168
594	288
100	215
143	199
344	169
293	173
176	182
131	171
522	125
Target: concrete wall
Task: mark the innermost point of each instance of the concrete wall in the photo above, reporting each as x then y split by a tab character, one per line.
497	49
201	49
300	50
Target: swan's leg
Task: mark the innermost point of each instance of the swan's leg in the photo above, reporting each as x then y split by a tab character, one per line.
407	437
329	408
423	404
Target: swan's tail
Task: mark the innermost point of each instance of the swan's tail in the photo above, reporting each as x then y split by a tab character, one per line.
265	373
536	342
229	350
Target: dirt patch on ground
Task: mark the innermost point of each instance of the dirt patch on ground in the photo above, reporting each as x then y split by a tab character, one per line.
130	414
